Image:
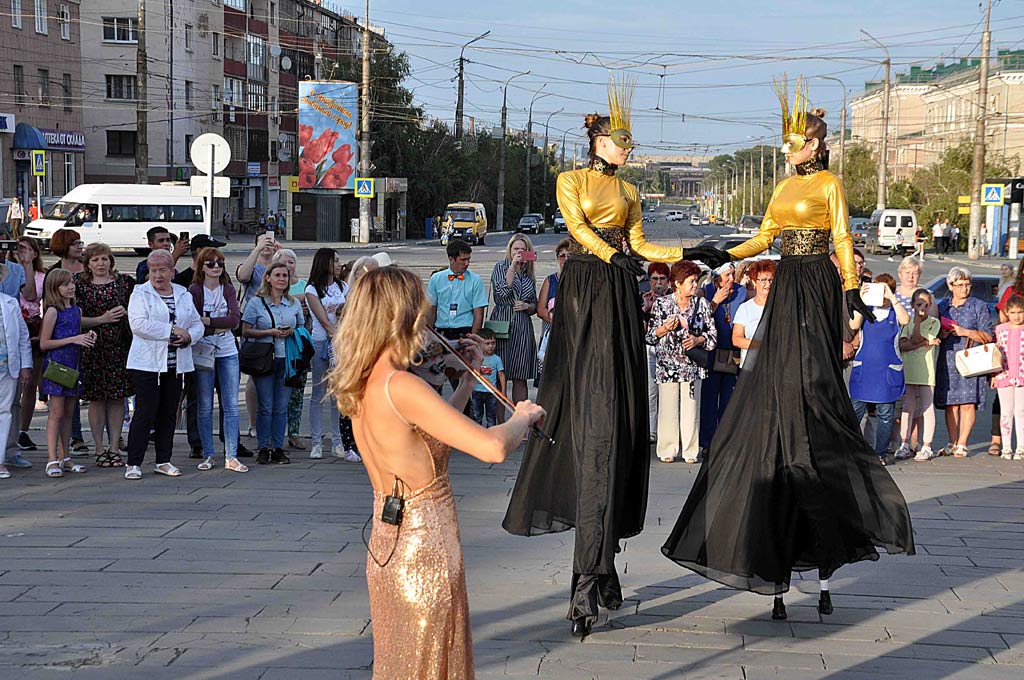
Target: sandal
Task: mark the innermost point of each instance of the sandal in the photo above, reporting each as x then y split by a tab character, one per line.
959	451
53	469
235	465
74	467
296	443
667	460
167	469
207	464
994	449
109	459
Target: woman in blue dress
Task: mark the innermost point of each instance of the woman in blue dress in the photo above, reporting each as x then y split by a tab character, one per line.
877	369
964	319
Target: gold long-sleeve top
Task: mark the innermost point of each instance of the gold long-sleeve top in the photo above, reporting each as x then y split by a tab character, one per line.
594	203
816	202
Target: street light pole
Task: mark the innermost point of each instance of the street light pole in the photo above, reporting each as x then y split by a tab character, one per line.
842	127
462	68
978	163
544	164
884	153
500	209
529	145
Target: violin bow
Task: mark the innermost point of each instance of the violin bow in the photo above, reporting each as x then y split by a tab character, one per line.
486	383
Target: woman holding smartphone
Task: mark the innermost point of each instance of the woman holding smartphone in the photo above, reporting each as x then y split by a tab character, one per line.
514	288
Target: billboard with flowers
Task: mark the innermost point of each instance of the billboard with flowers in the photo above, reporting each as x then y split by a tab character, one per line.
328	120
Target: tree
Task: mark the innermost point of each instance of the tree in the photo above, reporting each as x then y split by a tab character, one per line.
860	180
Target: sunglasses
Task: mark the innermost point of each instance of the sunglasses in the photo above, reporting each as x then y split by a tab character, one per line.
214	263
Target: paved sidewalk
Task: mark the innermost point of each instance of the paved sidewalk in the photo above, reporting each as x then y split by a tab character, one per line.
221	575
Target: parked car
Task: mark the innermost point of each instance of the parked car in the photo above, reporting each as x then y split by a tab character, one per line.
727	241
532	223
859	230
558	223
694	220
467	221
882	227
985	287
749	223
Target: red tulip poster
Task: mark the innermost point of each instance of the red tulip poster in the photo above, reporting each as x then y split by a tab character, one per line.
328	119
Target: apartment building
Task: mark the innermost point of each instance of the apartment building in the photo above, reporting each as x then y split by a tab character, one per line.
933	109
41	98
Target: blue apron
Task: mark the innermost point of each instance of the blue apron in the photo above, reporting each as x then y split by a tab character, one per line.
877	375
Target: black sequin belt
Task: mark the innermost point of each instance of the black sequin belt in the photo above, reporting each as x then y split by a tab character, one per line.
804	241
616	237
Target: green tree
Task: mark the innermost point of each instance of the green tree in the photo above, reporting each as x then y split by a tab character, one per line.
860	180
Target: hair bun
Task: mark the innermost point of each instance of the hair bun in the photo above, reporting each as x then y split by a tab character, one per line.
819	112
590	119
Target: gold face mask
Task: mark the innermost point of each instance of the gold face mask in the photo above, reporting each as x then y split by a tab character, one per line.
792	143
620	97
794	120
622	139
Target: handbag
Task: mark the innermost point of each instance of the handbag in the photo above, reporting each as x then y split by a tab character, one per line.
64	376
500	328
699	356
257	358
726	361
204	356
978	360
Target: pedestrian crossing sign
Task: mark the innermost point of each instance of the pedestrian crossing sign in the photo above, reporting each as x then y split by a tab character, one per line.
38	163
364	187
992	194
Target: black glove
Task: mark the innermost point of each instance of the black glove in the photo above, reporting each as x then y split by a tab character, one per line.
712	257
855	304
630	264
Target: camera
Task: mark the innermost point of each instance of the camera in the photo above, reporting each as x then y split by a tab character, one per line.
8	246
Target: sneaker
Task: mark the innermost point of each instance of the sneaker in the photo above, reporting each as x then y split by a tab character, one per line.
244	451
1007	454
4	474
1018	454
903	452
317	451
133	472
263	457
352	457
197	453
279	457
25	442
17	461
924	454
78	448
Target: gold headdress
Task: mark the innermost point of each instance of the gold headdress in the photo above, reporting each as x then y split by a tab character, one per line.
620	97
794	121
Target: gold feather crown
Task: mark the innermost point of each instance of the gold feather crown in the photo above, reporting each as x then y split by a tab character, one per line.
794	120
620	98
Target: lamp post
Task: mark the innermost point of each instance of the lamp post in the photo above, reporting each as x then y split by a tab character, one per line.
842	127
529	144
458	102
500	209
881	198
544	158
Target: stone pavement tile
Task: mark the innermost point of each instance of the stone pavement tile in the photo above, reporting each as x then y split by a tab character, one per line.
332	654
79	553
867	631
278	564
739	656
639	636
315	674
95	624
39	540
508	657
46	565
887	666
197	579
688	624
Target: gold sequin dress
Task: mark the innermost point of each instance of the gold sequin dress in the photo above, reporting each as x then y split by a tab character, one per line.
418	600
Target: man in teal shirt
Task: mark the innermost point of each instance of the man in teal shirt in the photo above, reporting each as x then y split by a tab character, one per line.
457	296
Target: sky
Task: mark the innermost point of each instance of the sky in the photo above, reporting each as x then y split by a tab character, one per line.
704	69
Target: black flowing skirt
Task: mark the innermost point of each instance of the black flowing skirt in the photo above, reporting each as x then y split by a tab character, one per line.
594	389
789	483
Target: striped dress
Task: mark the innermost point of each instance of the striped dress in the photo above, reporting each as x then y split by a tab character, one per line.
519	352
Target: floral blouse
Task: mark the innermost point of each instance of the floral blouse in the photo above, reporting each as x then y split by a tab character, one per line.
671	364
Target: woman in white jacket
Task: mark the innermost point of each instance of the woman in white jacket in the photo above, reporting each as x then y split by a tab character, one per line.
164	324
16	365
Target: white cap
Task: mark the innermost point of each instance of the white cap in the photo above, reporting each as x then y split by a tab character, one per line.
727	267
383	259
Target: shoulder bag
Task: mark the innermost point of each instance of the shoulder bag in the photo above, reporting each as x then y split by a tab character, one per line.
979	360
257	358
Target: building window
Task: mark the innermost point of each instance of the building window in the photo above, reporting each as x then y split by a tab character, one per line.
257	97
188	142
121	87
215	102
19	84
64	21
236	4
273	13
256	65
215	44
188	94
188	37
16	13
69	172
41	27
120	29
66	91
43	76
120	142
259	145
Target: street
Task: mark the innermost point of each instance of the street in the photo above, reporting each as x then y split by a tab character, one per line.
261	576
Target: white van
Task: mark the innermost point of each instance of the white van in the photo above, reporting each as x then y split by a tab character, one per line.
120	214
882	228
675	216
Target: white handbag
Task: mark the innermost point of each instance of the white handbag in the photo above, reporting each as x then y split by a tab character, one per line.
204	355
979	360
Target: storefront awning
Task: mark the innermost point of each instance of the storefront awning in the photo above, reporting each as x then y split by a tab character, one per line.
28	137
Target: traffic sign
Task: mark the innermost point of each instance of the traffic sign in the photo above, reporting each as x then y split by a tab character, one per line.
210	154
364	187
963	210
38	163
963	199
293	184
992	194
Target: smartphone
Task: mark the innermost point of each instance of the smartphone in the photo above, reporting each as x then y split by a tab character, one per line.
529	256
183	236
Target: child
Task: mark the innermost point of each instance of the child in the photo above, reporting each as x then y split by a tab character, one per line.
485	404
61	338
919	342
1010	383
